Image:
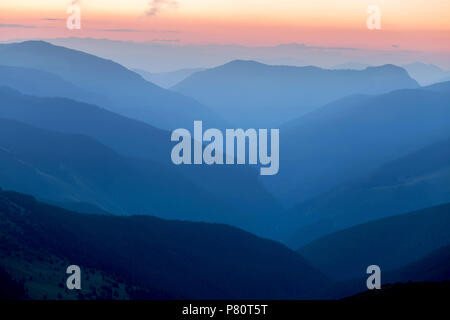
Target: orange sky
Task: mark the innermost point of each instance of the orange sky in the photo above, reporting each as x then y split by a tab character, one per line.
410	25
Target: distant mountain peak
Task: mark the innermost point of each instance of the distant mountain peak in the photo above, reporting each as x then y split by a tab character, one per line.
33	43
386	67
242	62
419	64
112	85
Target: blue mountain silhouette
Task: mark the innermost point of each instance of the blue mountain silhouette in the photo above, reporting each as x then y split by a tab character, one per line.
116	88
416	181
353	136
390	243
238	186
165	259
252	94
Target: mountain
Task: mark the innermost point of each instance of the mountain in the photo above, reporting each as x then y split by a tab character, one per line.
351	66
41	83
416	181
75	168
445	79
162	56
433	267
252	94
116	88
166	259
78	206
351	137
10	289
403	294
129	137
390	243
443	87
239	186
425	74
167	79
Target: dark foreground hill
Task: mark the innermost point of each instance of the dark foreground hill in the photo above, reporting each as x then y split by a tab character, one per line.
159	258
390	243
421	292
9	288
432	268
435	266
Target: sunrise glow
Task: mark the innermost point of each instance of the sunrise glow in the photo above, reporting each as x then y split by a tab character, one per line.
410	25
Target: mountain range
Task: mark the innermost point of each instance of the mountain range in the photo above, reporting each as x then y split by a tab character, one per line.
251	94
165	57
114	87
144	257
85	147
352	137
390	243
167	79
426	74
150	147
70	167
416	181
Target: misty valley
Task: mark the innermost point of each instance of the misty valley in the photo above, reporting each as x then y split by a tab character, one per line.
214	152
227	179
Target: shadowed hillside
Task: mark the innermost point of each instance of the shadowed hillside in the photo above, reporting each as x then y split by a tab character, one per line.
419	180
352	137
179	259
66	168
238	186
389	243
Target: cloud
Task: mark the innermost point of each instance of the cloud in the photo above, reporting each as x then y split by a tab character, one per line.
157	5
120	30
303	46
138	30
52	19
16	26
166	40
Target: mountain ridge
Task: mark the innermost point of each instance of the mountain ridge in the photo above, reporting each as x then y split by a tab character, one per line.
405	238
191	260
119	89
252	94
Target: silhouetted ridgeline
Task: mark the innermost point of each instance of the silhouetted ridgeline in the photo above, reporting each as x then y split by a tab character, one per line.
256	95
239	186
354	136
390	243
113	86
165	259
416	181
